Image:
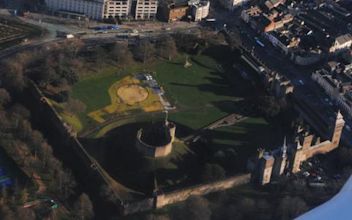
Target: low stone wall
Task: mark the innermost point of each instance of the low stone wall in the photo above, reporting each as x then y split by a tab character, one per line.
140	206
203	189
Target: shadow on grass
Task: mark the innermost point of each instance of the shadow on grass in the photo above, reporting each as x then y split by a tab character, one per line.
117	154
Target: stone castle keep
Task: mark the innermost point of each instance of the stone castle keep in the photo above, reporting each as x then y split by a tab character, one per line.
289	157
156	141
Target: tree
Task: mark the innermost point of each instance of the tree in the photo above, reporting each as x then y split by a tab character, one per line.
230	212
166	47
65	183
289	207
4	97
75	106
107	193
268	106
246	205
6	213
84	207
13	75
122	54
197	208
19	111
345	156
213	172
144	51
100	54
71	47
156	217
23	196
46	153
25	214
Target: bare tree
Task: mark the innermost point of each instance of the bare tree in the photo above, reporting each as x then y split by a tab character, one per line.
100	56
145	51
75	106
290	208
84	207
122	54
4	97
13	75
166	47
46	153
197	208
213	172
6	213
156	217
72	46
25	214
65	183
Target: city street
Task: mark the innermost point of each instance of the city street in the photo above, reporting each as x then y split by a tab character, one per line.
306	89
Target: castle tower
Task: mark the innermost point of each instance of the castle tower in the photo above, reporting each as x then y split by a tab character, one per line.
266	164
283	157
336	136
298	157
307	141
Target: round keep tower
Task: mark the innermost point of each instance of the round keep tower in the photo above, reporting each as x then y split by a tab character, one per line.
156	140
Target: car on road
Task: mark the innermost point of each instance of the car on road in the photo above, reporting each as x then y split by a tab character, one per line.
259	42
306	174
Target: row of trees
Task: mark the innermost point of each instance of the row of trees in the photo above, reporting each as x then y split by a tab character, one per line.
56	67
226	207
28	148
144	51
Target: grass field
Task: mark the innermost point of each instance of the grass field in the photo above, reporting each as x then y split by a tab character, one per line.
198	91
126	95
241	141
201	93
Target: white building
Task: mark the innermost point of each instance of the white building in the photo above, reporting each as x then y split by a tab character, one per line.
100	9
232	4
200	10
146	9
341	43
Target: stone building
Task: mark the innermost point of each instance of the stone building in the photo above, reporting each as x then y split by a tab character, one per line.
278	85
341	43
232	4
289	157
200	10
173	12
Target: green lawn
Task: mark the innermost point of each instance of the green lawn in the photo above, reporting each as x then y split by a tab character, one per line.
246	137
195	90
93	91
201	93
